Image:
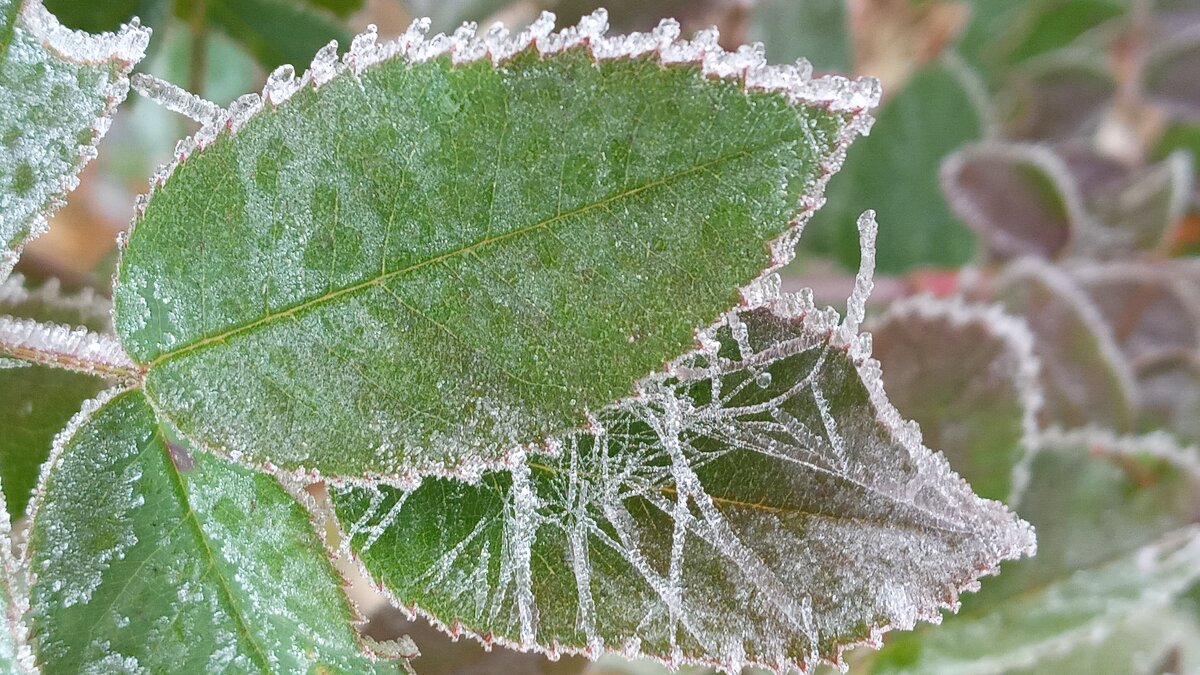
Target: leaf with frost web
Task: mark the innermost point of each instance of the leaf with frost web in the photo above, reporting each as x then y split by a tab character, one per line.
146	555
760	504
967	375
58	89
1117	547
430	259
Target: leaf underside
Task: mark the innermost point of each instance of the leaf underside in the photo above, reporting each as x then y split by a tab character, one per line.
148	556
53	106
757	507
424	266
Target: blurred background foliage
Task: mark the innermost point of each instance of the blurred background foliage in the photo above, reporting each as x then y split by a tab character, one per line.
1039	154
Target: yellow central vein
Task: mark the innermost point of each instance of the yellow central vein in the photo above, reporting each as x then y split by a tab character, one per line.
381	278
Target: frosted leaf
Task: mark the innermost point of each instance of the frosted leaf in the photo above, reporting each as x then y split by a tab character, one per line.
177	100
1019	198
64	346
968	375
1064	96
15	654
1169	383
441	251
1149	307
1117	544
58	91
718	517
144	551
1142	211
1084	376
38	400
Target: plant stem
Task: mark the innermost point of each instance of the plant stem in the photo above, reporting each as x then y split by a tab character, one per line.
76	349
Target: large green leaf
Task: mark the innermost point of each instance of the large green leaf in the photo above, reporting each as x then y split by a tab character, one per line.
421	265
895	171
1116	547
38	400
147	556
968	376
58	89
759	503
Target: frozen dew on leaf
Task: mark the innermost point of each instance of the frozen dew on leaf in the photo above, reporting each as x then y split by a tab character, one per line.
405	290
758	503
58	91
157	557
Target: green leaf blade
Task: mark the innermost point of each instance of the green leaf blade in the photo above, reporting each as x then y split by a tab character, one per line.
58	89
148	556
459	259
760	504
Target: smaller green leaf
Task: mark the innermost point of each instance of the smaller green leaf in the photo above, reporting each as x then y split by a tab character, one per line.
1142	211
1150	308
815	30
277	32
761	503
1049	25
968	376
1085	377
58	89
895	170
149	555
1019	198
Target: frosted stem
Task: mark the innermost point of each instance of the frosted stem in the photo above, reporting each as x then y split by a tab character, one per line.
856	306
177	100
60	346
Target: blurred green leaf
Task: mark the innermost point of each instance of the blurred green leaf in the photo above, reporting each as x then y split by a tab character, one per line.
812	29
895	172
98	16
278	32
1049	25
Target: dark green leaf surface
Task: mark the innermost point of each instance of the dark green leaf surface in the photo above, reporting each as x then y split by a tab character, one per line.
1115	548
150	556
425	266
895	172
35	400
968	376
760	505
56	89
108	15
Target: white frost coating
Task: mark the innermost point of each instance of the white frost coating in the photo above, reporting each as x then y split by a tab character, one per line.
1063	286
856	306
63	346
177	100
14	647
90	307
746	64
40	44
1011	331
584	501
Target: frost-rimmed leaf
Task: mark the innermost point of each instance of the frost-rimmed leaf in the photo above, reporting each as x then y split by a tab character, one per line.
15	656
147	556
1117	544
38	399
1169	384
438	251
760	503
1019	198
58	91
1085	377
1149	307
1060	97
967	374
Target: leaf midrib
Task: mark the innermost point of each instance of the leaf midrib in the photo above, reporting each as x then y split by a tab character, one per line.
378	279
